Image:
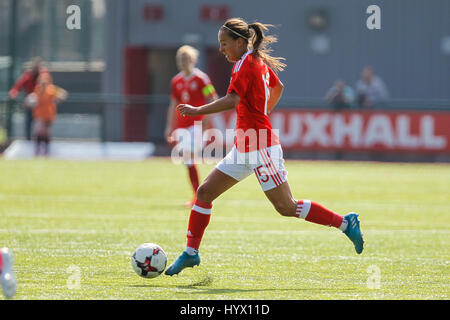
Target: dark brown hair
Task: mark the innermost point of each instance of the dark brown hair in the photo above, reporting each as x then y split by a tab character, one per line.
254	35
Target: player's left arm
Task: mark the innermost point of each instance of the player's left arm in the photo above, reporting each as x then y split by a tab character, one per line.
275	95
208	90
60	94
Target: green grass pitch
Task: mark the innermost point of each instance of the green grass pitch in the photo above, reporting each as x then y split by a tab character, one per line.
73	226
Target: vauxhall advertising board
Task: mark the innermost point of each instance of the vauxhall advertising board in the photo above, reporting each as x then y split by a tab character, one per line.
356	130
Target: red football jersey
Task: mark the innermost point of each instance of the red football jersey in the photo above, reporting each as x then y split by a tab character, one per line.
26	82
190	90
252	79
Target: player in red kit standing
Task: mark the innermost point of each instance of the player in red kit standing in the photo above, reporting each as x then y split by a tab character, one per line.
254	91
190	86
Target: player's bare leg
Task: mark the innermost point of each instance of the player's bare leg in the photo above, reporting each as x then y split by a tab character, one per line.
46	138
37	137
214	185
193	178
283	201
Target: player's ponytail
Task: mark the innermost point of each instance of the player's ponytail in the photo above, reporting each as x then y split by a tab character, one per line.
260	44
254	35
258	38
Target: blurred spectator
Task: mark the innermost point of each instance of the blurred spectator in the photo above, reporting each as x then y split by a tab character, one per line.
43	102
340	95
370	89
27	82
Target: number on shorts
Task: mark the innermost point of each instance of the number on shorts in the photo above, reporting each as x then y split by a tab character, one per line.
264	175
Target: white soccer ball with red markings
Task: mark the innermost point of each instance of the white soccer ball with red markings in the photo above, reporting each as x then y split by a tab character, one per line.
149	260
30	101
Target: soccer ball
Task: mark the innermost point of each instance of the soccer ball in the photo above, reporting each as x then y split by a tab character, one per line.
30	101
149	260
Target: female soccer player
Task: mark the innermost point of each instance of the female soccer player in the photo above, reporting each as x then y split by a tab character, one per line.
190	86
254	91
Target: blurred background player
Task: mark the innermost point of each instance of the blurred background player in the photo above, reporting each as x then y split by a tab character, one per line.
190	86
27	82
254	91
7	277
43	102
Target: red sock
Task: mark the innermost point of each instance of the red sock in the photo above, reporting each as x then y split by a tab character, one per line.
313	212
193	176
198	221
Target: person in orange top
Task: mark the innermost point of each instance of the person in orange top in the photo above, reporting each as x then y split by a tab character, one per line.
43	101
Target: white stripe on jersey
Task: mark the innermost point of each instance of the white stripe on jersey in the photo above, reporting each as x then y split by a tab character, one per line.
241	61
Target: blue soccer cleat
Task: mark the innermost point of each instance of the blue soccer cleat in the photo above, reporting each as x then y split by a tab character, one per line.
183	261
353	231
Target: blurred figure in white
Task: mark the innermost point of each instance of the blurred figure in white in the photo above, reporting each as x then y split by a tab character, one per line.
7	277
370	89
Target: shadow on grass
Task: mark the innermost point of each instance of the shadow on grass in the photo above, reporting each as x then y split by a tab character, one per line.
201	287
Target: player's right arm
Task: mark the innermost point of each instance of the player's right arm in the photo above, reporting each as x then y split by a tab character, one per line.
169	122
230	101
15	90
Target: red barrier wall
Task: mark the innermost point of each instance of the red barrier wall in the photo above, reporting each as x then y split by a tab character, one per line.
356	131
136	82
